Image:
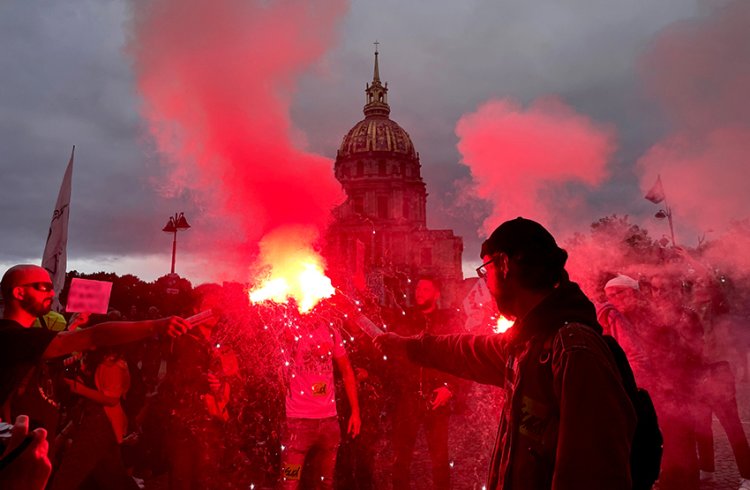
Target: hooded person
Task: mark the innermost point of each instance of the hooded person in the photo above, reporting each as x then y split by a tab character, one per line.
568	422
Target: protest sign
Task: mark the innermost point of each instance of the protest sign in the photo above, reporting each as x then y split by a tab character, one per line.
87	295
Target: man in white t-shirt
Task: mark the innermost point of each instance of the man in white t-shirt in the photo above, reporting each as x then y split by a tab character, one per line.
312	422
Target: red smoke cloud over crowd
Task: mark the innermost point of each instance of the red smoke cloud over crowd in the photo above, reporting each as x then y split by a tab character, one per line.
521	157
217	80
698	71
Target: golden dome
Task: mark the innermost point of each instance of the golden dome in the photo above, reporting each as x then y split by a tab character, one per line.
378	134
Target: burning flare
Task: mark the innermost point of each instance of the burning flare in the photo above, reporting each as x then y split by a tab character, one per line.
305	282
503	324
295	270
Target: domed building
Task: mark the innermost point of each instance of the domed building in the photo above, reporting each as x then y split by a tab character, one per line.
379	237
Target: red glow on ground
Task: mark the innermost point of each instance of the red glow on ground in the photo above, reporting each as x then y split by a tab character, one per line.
516	154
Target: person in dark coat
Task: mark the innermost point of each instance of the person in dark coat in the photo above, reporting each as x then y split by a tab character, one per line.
567	422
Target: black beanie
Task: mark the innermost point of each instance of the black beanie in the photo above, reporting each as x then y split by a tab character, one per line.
527	240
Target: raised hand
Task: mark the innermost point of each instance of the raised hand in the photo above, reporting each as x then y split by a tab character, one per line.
29	470
174	326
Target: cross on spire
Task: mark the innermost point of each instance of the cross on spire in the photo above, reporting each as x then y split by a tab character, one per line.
377	94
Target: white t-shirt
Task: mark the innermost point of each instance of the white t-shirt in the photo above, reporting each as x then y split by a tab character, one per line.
311	386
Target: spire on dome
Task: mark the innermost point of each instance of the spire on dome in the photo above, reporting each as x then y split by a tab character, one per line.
377	93
376	72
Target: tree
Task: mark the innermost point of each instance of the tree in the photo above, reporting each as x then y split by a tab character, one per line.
168	294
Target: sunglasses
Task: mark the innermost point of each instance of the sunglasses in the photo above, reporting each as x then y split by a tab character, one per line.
42	287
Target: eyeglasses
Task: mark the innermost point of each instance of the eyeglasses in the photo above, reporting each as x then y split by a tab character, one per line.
482	269
42	287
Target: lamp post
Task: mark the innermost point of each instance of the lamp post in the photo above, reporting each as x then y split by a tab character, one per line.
175	224
656	195
667	213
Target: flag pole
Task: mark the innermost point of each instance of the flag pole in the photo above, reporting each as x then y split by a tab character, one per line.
669	218
669	215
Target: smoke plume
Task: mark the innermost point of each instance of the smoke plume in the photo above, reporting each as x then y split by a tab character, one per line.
698	71
217	80
521	158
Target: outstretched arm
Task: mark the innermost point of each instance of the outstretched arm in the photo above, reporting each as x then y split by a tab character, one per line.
112	333
479	358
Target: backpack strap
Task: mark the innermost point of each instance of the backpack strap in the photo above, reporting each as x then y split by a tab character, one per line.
42	322
621	361
623	365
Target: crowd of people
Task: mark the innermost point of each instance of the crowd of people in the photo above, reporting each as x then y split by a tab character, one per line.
675	329
235	395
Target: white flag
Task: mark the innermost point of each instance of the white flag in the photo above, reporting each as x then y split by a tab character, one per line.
55	257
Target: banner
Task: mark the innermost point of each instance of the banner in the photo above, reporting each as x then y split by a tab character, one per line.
55	256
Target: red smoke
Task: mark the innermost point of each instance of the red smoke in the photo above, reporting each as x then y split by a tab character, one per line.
699	73
520	158
217	80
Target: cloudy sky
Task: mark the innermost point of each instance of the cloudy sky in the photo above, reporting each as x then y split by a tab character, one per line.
605	74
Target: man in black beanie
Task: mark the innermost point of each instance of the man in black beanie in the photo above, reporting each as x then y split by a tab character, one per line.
567	422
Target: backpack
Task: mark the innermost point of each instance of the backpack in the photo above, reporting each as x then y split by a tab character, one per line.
646	451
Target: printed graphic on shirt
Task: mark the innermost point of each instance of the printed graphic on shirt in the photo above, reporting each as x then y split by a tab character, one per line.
314	355
291	471
319	389
311	374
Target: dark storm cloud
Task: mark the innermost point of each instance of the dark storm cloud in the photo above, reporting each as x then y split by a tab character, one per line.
66	81
443	61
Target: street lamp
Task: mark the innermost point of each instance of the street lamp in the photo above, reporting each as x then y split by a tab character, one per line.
656	195
667	213
175	224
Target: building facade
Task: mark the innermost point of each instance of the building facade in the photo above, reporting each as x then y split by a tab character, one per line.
379	237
